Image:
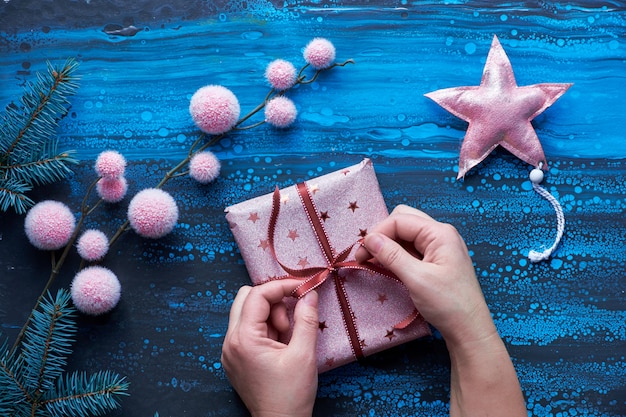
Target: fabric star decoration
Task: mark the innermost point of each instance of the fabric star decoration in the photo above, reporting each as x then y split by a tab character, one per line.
499	112
390	335
264	244
382	298
303	262
293	235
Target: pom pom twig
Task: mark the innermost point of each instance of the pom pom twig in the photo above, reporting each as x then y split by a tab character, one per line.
110	167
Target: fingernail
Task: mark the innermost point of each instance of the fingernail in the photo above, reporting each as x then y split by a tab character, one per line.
374	243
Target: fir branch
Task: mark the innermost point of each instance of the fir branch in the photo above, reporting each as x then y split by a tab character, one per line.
47	343
41	169
13	194
44	103
12	391
78	395
31	381
28	143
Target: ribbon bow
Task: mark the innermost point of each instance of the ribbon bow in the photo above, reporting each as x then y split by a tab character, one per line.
315	276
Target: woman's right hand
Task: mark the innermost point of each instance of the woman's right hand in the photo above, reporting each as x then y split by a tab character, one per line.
432	261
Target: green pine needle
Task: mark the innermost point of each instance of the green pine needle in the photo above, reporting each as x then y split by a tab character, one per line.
28	139
32	381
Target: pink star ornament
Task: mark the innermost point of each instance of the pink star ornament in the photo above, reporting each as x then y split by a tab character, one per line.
499	112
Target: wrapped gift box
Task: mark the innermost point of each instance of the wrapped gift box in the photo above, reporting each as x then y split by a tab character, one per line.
311	231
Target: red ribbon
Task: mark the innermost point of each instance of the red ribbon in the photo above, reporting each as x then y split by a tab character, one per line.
313	277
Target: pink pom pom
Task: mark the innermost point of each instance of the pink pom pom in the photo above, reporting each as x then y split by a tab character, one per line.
320	53
49	225
152	213
92	245
281	74
280	111
214	109
112	190
110	164
204	167
95	290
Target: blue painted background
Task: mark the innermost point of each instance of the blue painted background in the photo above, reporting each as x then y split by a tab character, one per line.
564	320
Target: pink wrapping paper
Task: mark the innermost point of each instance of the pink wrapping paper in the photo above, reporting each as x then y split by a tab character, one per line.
348	202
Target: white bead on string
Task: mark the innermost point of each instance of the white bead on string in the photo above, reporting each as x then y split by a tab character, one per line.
536	177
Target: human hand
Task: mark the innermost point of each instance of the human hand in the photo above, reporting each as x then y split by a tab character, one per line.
271	377
431	259
439	274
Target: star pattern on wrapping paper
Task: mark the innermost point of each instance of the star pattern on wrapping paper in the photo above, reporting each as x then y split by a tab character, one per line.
264	244
315	188
329	362
324	215
390	335
363	344
345	172
284	199
362	232
303	262
353	206
254	217
382	298
293	234
322	325
499	112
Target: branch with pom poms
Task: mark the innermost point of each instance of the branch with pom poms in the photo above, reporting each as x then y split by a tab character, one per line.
153	213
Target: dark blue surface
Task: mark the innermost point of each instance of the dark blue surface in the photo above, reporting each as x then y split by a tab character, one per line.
563	320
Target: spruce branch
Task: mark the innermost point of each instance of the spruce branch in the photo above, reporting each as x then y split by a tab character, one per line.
79	395
28	140
47	343
13	194
32	381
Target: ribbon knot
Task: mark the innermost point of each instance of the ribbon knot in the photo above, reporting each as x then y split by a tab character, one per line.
315	276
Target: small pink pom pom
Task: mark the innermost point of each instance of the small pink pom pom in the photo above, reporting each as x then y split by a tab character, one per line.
204	167
320	53
49	225
281	74
110	164
92	245
95	290
280	111
152	213
112	190
214	109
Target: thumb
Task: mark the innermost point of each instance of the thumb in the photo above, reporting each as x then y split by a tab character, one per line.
306	324
390	254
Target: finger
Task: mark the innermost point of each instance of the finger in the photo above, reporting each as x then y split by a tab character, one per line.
363	255
427	236
257	307
279	319
238	302
306	324
391	255
404	209
405	225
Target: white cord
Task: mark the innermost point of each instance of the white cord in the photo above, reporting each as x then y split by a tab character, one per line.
536	176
